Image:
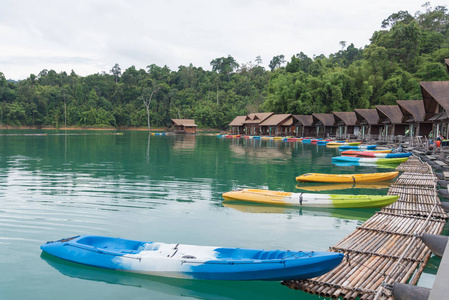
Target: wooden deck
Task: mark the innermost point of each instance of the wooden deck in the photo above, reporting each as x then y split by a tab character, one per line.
386	248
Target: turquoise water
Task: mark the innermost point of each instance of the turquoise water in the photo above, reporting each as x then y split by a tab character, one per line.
154	188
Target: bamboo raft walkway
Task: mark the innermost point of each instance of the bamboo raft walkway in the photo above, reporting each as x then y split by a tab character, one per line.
386	248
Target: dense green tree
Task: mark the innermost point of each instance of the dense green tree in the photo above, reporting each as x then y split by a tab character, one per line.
224	65
408	49
277	62
116	71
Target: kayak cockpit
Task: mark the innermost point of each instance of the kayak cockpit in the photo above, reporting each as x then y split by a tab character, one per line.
117	245
237	253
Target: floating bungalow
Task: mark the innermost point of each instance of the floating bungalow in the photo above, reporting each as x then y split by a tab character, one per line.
368	120
391	117
324	124
184	126
409	118
303	125
277	125
414	114
252	122
346	124
436	104
237	126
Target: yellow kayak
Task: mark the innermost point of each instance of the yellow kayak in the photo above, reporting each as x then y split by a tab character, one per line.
310	200
343	144
351	178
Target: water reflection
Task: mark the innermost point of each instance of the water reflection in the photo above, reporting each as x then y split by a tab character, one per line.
184	142
198	289
342	213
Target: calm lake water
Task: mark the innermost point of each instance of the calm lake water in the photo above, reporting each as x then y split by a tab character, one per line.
155	188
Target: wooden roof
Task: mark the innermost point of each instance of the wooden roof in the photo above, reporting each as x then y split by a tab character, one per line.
326	119
256	118
275	120
348	117
289	122
238	121
369	114
184	122
435	93
305	120
412	108
392	112
439	116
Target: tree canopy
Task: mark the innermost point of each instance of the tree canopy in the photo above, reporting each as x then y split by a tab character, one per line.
408	49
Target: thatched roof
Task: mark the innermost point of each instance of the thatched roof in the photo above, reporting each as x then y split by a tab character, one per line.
326	119
434	93
305	120
391	112
348	117
412	109
184	122
256	118
238	121
370	115
275	120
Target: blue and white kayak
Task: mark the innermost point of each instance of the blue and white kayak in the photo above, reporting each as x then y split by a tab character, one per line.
192	262
369	159
367	147
307	141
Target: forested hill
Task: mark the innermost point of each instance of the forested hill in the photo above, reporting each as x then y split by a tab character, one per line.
408	49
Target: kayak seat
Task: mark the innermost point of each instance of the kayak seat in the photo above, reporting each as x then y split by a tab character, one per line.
266	255
150	246
258	254
281	254
275	254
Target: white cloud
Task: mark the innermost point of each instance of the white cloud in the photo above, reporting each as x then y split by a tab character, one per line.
91	36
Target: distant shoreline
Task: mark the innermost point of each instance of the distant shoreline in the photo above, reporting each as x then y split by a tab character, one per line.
121	128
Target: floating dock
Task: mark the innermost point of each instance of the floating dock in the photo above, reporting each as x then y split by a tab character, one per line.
386	248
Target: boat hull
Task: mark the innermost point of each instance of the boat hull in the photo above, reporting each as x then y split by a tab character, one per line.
192	262
367	147
336	143
369	160
351	178
356	152
309	200
379	155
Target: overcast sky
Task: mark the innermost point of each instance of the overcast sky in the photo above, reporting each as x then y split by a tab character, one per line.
90	36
